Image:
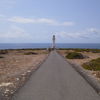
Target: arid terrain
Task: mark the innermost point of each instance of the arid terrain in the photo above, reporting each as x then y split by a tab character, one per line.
16	66
88	57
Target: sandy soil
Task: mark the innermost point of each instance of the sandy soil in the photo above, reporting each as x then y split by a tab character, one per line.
89	56
16	67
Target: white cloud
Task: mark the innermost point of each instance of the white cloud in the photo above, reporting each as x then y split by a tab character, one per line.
92	32
39	21
67	23
14	32
45	20
20	20
23	20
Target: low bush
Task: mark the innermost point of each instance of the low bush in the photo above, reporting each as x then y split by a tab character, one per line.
30	53
3	51
87	50
82	50
1	57
95	50
92	65
74	55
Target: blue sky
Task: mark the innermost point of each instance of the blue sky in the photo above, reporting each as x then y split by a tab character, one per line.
35	21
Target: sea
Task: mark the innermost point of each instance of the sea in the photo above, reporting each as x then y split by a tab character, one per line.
48	45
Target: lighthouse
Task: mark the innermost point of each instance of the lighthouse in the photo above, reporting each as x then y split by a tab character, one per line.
53	42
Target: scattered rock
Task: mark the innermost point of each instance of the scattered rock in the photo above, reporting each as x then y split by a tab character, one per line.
28	71
5	84
16	68
17	79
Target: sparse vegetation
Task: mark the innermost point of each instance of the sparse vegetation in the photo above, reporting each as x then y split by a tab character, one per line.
87	50
92	65
16	67
30	53
1	57
82	50
3	51
74	55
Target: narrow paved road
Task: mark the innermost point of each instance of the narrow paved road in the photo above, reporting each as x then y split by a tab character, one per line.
56	80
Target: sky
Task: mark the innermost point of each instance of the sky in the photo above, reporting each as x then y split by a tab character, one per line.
36	21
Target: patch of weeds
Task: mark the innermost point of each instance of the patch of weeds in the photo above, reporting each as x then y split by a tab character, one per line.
3	51
30	53
92	65
87	50
74	55
1	57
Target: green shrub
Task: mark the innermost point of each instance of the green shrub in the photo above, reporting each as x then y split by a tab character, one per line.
1	57
74	55
3	51
95	50
87	50
92	65
82	50
30	53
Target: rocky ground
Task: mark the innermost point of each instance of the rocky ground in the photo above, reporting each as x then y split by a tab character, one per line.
15	68
88	56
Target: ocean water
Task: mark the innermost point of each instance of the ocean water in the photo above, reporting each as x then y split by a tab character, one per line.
48	45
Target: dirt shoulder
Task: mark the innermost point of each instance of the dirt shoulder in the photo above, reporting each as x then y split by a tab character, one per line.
88	57
15	68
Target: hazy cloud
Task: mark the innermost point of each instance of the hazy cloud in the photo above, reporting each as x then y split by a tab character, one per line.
40	20
14	32
20	20
92	32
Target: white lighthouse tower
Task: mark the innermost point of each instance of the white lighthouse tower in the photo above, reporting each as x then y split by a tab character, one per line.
53	44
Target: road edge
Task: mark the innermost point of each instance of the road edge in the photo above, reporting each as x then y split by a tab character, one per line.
28	77
92	81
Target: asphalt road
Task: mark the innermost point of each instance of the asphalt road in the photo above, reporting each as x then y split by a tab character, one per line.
56	80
